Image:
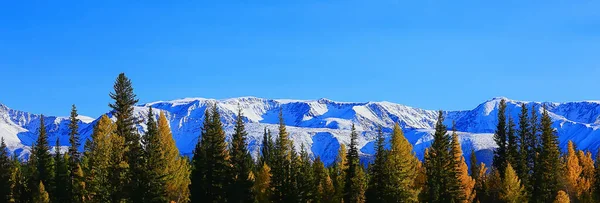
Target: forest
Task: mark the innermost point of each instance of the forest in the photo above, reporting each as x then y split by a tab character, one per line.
118	164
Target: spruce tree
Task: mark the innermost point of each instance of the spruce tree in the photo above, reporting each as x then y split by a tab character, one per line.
465	182
354	189
548	163
124	100
401	170
512	147
305	178
377	176
525	161
211	163
439	163
241	162
153	179
76	185
500	137
44	166
284	186
62	182
267	148
324	184
5	173
178	171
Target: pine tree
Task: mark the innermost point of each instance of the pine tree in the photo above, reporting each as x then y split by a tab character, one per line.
267	147
377	177
5	173
44	166
474	166
41	196
305	178
262	184
241	161
324	184
512	189
512	147
62	182
562	197
467	184
177	172
500	137
76	182
548	163
284	186
400	169
354	189
439	163
124	100
211	163
525	159
338	173
153	182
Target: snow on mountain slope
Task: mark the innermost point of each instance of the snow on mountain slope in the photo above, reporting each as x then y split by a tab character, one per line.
322	125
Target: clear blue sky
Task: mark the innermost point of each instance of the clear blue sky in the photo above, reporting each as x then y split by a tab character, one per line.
447	55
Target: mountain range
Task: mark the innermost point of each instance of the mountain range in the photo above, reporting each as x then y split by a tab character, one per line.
322	125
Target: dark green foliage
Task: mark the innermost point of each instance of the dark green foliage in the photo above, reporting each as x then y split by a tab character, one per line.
210	164
354	189
153	181
500	137
512	146
5	173
240	189
377	176
124	100
20	180
282	170
441	183
62	183
526	149
305	178
75	191
267	148
548	164
41	158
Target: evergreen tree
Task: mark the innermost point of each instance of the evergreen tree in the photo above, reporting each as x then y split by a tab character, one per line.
324	184
377	177
400	170
44	166
20	190
284	186
439	163
512	147
5	173
525	158
548	163
177	172
512	189
41	196
62	182
241	161
466	183
474	166
153	178
124	100
262	184
500	137
305	178
211	163
562	197
267	148
338	172
76	185
354	189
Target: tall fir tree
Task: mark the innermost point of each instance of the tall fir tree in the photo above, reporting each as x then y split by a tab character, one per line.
500	137
525	160
439	163
377	177
153	182
124	100
177	172
62	182
241	188
305	178
354	188
401	170
211	162
5	173
324	184
76	185
548	162
467	184
267	148
44	166
512	147
284	185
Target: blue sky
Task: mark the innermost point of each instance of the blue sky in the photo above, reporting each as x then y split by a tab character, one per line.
436	55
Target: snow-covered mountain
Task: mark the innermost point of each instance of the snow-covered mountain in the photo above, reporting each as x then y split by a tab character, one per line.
322	125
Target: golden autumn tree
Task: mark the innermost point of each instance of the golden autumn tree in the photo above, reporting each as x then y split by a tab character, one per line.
178	167
262	184
400	169
562	197
573	172
588	178
512	190
467	184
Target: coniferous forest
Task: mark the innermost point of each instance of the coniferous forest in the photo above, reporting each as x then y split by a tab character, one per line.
119	164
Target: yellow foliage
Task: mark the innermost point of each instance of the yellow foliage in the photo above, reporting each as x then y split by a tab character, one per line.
177	168
262	184
512	191
467	183
562	197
